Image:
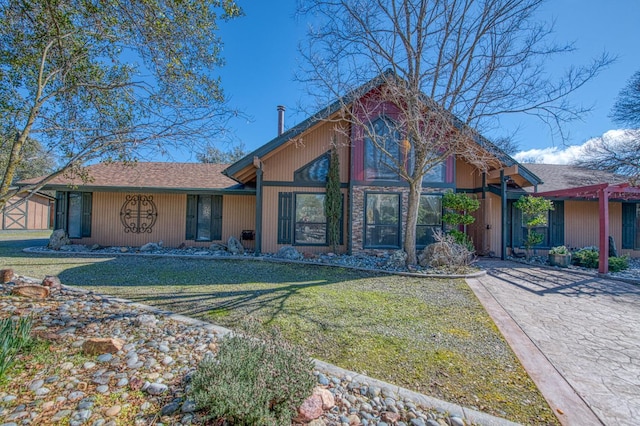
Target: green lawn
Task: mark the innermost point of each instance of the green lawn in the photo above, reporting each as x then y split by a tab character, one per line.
429	335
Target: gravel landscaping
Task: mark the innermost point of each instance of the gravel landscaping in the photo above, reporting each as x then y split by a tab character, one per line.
429	335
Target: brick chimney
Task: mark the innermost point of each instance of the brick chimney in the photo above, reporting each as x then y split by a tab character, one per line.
281	109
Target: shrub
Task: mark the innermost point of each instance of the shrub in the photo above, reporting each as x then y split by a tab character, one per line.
446	254
14	335
559	250
535	211
253	381
587	257
617	264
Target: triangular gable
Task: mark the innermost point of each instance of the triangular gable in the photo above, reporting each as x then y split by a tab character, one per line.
243	170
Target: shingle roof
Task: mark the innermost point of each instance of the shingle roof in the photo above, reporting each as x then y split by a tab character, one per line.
166	176
563	176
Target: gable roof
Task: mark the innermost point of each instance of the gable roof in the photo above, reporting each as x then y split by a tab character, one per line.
149	176
335	106
563	176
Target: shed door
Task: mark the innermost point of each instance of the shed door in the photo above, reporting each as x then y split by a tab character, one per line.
15	216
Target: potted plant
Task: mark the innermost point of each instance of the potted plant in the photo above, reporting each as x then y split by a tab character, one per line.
560	256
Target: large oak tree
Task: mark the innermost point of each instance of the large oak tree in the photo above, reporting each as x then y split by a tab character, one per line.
107	80
446	66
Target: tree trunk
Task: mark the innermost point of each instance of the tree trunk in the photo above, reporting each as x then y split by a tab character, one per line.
412	219
10	171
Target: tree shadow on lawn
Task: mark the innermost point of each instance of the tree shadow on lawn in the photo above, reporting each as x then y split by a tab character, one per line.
202	287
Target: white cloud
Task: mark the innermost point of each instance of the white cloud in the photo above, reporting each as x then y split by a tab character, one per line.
568	154
551	155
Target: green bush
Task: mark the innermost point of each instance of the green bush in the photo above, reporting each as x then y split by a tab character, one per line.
253	381
617	264
587	257
14	335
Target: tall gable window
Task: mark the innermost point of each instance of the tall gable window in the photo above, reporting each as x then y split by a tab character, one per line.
204	217
382	220
377	164
73	213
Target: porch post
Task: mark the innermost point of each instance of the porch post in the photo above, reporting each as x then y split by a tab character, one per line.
503	204
258	248
603	201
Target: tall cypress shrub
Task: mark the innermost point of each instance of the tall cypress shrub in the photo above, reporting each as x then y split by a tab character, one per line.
333	199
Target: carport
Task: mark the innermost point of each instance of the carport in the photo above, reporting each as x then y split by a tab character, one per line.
603	193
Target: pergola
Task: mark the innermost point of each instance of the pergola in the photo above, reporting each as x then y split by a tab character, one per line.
603	192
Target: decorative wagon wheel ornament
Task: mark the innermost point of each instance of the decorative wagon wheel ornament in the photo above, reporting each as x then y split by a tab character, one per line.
138	214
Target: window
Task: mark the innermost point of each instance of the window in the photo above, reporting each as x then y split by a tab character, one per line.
429	219
553	233
315	171
73	213
542	230
382	220
302	220
436	174
311	222
377	164
204	217
631	226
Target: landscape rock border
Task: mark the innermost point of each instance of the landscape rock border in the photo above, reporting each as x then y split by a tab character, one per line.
41	250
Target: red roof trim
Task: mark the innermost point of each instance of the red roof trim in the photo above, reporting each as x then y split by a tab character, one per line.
624	190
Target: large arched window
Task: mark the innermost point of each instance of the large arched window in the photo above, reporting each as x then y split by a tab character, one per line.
381	136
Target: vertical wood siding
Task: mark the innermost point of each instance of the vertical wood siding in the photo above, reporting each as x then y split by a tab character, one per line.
582	225
467	176
280	166
238	214
106	229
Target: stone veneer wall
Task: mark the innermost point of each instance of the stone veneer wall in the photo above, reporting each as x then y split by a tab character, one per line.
358	212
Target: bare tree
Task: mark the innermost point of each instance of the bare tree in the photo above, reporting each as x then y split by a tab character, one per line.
619	151
453	65
616	152
626	110
96	80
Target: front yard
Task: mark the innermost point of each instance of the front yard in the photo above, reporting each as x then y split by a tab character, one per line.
429	335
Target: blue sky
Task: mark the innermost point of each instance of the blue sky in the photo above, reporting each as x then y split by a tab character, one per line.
261	56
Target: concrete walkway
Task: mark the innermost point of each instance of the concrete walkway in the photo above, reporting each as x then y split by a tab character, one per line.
578	336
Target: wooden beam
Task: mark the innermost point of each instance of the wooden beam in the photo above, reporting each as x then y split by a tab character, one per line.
603	202
507	171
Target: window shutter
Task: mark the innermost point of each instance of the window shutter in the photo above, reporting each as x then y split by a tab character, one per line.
61	210
556	219
517	237
216	217
628	225
192	206
87	204
285	212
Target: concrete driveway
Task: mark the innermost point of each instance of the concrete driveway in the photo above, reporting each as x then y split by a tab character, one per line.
577	335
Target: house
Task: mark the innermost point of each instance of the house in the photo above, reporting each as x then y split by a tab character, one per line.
132	204
274	196
30	211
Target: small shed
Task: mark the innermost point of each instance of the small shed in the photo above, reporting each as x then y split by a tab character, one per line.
29	211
